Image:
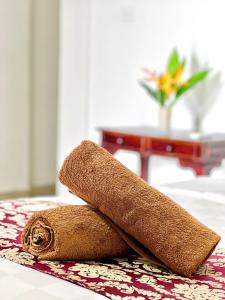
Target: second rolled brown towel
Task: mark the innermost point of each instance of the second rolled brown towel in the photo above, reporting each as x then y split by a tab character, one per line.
162	226
71	232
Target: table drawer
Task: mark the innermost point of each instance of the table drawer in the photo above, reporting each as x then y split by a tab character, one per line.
171	148
130	142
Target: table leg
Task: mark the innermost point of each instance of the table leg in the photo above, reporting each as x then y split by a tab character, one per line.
200	168
144	166
204	169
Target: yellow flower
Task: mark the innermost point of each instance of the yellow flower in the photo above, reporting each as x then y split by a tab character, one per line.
165	84
168	83
178	75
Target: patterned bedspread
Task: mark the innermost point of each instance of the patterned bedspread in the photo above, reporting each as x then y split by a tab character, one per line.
119	278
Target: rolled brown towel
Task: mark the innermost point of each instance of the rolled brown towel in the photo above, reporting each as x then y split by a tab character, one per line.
176	238
71	232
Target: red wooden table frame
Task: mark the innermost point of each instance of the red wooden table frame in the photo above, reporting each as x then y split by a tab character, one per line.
202	154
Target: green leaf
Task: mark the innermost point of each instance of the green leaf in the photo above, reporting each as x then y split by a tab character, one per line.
181	90
161	97
197	78
191	82
158	95
183	63
151	92
173	62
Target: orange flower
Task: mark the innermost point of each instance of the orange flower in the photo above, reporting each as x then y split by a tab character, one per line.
151	75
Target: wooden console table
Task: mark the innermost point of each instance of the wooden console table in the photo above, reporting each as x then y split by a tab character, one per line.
202	154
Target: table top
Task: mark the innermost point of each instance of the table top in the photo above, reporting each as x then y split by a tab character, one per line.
182	135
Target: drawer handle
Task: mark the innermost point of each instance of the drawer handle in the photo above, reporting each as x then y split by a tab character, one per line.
119	141
169	148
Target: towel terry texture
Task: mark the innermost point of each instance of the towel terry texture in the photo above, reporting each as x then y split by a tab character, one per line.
71	232
162	226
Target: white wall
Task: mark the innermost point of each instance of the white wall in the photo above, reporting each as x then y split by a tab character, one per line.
128	35
14	94
44	91
102	57
28	93
73	107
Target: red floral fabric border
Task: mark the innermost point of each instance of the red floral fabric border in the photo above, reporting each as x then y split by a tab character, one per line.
119	278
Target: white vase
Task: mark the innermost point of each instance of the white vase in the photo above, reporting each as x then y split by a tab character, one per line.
164	118
197	124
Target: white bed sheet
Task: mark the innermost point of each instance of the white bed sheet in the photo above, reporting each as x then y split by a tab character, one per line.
204	198
21	283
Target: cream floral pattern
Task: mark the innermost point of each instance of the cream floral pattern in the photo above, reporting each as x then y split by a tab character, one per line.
198	292
2	215
131	278
55	266
22	258
103	272
5	243
10	233
20	219
124	298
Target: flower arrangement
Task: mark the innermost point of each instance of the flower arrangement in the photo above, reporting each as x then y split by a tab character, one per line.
167	88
